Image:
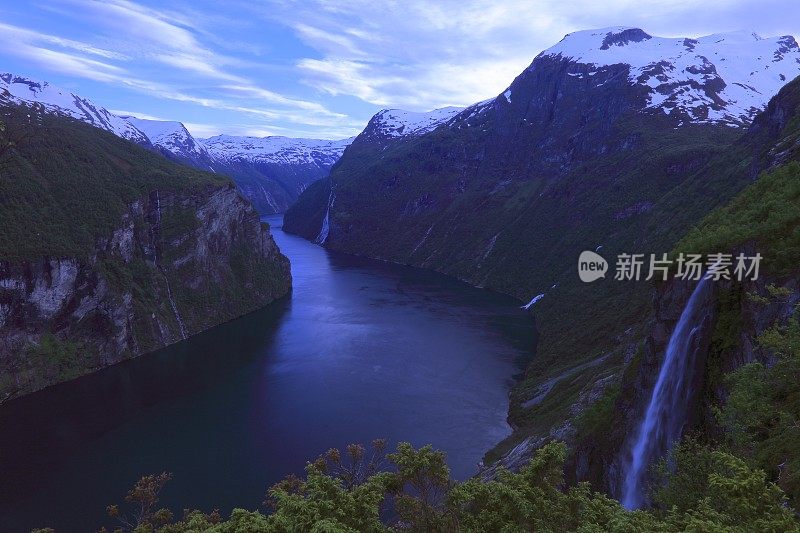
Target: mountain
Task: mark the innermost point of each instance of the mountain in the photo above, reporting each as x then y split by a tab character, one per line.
16	89
724	78
109	251
270	171
391	124
385	128
612	140
172	139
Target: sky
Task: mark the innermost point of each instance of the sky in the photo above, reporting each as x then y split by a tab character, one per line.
319	68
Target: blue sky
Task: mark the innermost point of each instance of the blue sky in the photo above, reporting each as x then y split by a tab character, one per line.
316	68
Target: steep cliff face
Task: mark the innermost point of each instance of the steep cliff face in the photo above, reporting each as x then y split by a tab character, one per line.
601	454
184	253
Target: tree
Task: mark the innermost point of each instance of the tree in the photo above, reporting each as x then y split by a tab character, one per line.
143	498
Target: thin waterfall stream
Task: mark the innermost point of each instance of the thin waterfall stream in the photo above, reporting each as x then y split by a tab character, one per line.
325	229
178	318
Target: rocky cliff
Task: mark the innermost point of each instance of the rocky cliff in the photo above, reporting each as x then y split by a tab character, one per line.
167	253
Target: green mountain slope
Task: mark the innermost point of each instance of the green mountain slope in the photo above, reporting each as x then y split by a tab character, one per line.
108	251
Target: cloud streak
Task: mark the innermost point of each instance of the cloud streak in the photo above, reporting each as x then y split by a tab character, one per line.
322	68
419	54
136	38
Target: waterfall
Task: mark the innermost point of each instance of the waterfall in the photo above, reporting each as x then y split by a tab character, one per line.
181	325
326	222
666	413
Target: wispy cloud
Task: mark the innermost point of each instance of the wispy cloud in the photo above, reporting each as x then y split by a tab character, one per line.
322	68
135	38
420	54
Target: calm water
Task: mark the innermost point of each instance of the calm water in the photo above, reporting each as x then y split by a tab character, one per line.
361	349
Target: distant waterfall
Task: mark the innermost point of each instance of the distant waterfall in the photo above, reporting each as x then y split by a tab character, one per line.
667	411
181	325
326	222
178	318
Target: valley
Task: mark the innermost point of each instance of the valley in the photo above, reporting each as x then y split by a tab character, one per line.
248	313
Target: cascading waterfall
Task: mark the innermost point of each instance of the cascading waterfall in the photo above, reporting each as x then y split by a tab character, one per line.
667	410
326	222
178	318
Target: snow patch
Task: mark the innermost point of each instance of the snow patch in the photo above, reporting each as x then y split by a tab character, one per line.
532	302
399	123
18	90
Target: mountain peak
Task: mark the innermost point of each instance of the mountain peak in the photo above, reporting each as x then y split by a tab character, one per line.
400	123
623	37
723	78
169	135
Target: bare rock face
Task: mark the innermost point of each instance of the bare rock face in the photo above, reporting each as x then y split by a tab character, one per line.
177	264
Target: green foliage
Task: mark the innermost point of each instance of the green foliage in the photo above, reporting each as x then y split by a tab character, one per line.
761	417
757	298
322	503
63	183
46	360
779	293
599	416
767	214
60	356
143	498
720	490
709	490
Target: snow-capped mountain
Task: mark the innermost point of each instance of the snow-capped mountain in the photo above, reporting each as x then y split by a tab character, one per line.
271	171
393	123
17	89
169	135
274	149
721	78
584	119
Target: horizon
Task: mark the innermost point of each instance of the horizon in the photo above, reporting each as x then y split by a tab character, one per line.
299	72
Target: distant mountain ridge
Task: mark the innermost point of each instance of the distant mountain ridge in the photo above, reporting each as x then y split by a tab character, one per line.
270	171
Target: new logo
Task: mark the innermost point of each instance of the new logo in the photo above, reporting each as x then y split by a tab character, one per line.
591	266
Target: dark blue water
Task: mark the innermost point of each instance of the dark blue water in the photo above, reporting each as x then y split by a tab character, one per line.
360	350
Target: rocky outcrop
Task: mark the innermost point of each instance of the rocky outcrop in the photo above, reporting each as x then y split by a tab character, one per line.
176	264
